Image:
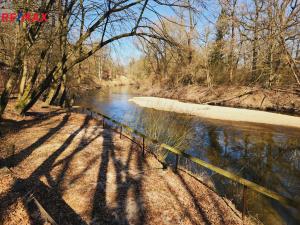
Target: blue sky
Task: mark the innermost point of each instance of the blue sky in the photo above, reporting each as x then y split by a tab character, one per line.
125	50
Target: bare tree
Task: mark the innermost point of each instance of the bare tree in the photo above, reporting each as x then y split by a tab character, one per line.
112	21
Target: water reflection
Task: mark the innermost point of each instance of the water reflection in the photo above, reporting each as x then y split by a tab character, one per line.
267	156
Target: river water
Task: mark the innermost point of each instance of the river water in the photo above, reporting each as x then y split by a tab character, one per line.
266	155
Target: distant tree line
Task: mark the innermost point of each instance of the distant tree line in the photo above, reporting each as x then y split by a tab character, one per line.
254	42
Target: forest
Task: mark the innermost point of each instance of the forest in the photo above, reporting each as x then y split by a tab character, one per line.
242	43
251	42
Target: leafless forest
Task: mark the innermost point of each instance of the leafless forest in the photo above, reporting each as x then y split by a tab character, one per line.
247	42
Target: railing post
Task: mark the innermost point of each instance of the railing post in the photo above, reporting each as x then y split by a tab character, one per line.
244	202
177	161
103	122
121	132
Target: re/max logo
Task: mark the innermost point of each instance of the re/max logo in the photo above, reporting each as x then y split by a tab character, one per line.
20	16
24	17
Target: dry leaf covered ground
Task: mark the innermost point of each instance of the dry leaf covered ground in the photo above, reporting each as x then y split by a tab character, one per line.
83	174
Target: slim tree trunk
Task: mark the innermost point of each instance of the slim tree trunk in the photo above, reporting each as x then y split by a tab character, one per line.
270	64
63	98
297	50
54	92
232	40
190	34
9	86
100	67
80	35
254	59
255	39
23	78
61	91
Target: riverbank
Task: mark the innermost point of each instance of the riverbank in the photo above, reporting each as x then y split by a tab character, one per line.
274	100
81	173
218	112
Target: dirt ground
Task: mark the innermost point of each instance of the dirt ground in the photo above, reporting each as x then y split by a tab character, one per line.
80	173
283	100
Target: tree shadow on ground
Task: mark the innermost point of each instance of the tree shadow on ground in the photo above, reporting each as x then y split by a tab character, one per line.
22	187
54	205
84	142
198	207
12	126
102	213
15	159
128	186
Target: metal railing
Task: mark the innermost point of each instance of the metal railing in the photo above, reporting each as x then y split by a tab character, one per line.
246	183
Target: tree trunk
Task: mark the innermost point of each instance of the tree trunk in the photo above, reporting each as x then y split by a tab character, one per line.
38	91
10	84
34	76
63	98
14	71
231	55
23	78
255	40
190	34
54	92
58	99
80	35
55	87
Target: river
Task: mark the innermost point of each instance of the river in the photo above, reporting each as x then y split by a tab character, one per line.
266	155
